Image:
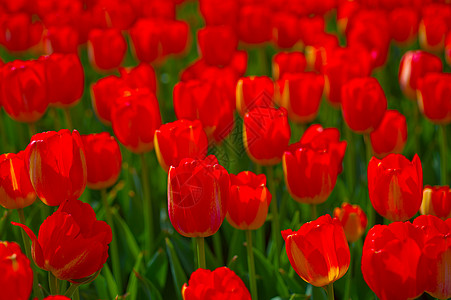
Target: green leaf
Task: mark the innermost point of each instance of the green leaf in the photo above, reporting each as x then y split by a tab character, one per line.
101	287
178	274
111	283
149	288
132	288
266	273
125	232
157	269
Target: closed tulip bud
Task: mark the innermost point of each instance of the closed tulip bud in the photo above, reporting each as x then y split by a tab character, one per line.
56	165
395	186
434	26
72	243
103	160
266	134
100	43
23	90
249	201
404	24
285	32
254	25
64	78
312	165
363	104
392	261
221	283
318	251
217	44
415	65
353	219
433	97
61	39
16	190
301	95
104	93
252	92
178	140
198	196
141	76
16	277
288	62
135	116
391	134
18	32
436	201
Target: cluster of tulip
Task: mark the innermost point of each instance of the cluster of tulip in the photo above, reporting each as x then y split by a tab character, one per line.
251	89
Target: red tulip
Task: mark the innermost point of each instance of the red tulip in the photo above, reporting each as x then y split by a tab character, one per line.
301	95
220	284
415	65
23	90
285	32
392	261
71	243
252	92
135	116
16	190
116	14
312	165
434	26
100	43
249	201
448	48
198	196
16	277
104	93
218	12
266	134
57	297
57	166
310	27
395	186
433	97
254	25
178	140
18	32
318	251
320	48
436	201
103	160
404	24
141	76
217	44
61	39
391	134
160	9
353	219
363	104
288	62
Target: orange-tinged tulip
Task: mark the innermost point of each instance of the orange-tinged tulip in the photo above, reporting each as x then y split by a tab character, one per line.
436	201
254	91
353	219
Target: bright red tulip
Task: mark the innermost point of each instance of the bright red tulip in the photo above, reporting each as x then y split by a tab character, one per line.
392	261
249	201
252	92
72	243
404	24
178	140
395	186
266	134
433	96
57	297
114	13
318	251
141	76
217	44
436	201
285	32
320	48
18	32
353	219
218	12
288	62
363	104
104	93
391	134
103	160
220	284
310	27
56	165
198	196
434	26
16	278
100	43
448	48
16	190
160	9
61	39
254	25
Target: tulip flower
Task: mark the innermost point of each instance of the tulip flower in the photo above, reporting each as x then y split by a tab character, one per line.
103	160
433	26
288	62
178	140
433	97
252	92
104	93
448	48
217	44
159	9
353	219
218	12
100	43
57	297
301	95
392	261
141	76
221	283
135	116
391	134
321	47
436	201
285	31
16	190
363	104
404	24
415	65
266	134
72	244
310	27
318	251
18	32
16	277
254	25
395	186
61	39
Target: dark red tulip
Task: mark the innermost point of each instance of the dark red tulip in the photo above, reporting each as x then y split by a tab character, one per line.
141	76
353	219
72	243
391	134
198	196
434	99
178	140
103	160
249	201
56	165
395	186
254	25
100	43
252	92
104	93
434	26
436	201
288	62
404	24
18	32
16	277
318	251
217	44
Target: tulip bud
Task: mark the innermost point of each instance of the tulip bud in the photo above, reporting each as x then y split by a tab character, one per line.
436	201
353	219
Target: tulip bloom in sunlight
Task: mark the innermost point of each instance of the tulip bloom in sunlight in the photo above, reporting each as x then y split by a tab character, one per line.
288	63
318	251
391	134
252	92
353	219
433	97
100	43
436	201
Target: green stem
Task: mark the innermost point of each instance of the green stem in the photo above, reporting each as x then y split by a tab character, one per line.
76	294
217	244
443	156
201	252
68	118
416	127
350	161
147	205
313	211
349	274
3	221
251	265
113	245
53	284
32	129
275	228
26	242
330	291
370	210
71	290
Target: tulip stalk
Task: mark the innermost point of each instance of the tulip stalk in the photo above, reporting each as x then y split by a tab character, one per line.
370	210
443	156
251	265
147	206
349	161
330	291
313	211
275	226
349	275
201	252
71	290
68	118
53	284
